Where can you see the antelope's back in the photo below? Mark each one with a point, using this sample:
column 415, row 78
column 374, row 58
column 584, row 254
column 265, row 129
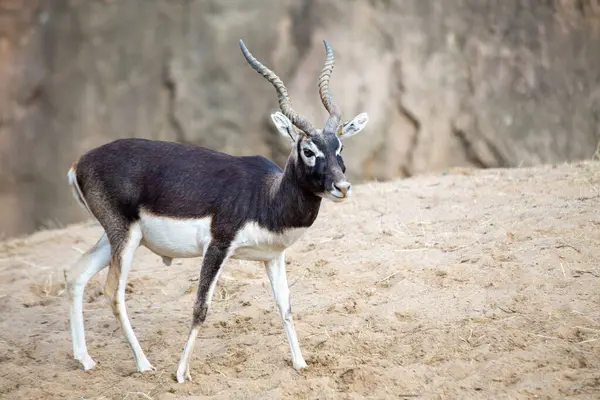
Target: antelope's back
column 167, row 178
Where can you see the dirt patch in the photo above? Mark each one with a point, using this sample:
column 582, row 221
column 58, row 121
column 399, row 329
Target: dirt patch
column 471, row 285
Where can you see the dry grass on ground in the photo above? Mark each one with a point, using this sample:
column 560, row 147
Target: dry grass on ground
column 476, row 284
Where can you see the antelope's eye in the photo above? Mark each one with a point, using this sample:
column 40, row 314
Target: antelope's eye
column 308, row 153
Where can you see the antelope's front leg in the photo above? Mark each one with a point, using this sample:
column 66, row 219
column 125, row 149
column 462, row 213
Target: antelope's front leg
column 214, row 258
column 281, row 293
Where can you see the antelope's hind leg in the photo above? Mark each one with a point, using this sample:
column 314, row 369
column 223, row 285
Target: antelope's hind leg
column 123, row 249
column 76, row 278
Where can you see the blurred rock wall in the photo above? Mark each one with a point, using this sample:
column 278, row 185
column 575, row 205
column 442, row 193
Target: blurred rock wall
column 483, row 83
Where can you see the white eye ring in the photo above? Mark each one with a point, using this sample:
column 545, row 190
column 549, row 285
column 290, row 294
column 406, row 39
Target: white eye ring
column 308, row 153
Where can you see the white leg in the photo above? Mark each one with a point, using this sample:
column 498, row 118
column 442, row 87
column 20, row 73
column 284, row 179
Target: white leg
column 118, row 302
column 183, row 369
column 92, row 262
column 281, row 292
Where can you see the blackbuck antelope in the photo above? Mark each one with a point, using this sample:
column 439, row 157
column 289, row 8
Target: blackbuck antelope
column 180, row 200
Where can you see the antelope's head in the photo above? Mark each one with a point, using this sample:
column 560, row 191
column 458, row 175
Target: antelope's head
column 316, row 153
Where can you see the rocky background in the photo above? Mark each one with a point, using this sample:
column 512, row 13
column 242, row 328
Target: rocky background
column 484, row 83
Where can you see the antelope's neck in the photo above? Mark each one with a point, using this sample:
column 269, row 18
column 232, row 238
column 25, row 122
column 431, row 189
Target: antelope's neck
column 293, row 206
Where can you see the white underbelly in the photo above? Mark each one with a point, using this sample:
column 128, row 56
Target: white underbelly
column 175, row 238
column 185, row 238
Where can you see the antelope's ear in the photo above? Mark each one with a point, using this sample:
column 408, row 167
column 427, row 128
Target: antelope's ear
column 353, row 127
column 284, row 126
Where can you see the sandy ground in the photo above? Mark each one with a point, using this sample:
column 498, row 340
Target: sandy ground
column 475, row 284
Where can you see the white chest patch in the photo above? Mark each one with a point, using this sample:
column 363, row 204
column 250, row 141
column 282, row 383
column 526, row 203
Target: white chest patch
column 185, row 238
column 259, row 244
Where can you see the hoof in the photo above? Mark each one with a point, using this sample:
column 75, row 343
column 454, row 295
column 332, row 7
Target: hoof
column 86, row 362
column 299, row 365
column 184, row 376
column 145, row 366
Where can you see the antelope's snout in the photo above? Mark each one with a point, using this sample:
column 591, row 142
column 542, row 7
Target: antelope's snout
column 340, row 191
column 344, row 187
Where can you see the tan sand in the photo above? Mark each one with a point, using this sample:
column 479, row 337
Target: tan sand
column 476, row 284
